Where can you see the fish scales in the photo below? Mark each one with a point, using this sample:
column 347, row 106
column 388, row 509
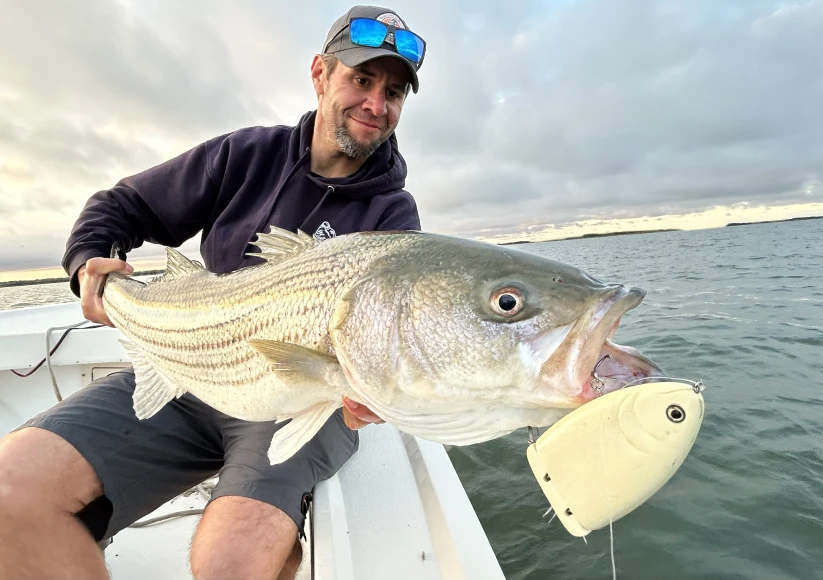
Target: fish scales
column 453, row 340
column 195, row 329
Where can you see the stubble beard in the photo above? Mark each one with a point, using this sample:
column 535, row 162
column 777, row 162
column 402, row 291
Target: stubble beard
column 350, row 147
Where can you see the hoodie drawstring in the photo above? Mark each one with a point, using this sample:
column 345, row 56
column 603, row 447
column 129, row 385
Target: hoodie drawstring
column 329, row 191
column 289, row 175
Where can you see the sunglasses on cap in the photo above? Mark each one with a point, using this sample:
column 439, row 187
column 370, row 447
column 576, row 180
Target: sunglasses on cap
column 373, row 33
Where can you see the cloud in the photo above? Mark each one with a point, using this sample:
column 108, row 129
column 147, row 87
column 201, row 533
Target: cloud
column 618, row 107
column 541, row 113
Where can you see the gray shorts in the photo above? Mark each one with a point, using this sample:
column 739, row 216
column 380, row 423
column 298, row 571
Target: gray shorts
column 143, row 464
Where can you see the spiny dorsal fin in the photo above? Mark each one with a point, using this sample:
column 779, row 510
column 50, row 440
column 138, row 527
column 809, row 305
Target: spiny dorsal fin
column 280, row 243
column 178, row 265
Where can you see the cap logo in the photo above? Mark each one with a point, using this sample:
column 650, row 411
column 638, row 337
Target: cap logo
column 392, row 20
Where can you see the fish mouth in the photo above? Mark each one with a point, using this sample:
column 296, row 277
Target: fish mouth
column 603, row 366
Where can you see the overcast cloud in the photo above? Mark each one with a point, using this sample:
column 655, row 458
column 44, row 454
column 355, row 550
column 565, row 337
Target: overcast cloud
column 529, row 113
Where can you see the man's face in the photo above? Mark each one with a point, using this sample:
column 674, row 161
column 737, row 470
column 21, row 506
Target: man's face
column 361, row 106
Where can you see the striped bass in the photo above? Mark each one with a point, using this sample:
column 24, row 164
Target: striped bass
column 452, row 340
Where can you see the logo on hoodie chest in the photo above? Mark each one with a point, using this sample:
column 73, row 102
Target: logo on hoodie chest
column 324, row 232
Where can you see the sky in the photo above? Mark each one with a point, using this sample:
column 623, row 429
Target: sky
column 535, row 119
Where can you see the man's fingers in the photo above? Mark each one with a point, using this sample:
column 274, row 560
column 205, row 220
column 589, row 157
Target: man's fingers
column 351, row 421
column 91, row 278
column 356, row 415
column 102, row 266
column 93, row 310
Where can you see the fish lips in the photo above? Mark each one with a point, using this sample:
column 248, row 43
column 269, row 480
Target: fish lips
column 581, row 362
column 603, row 366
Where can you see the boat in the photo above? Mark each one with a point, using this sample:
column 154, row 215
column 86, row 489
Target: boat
column 395, row 510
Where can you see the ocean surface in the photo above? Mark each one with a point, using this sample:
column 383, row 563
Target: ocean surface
column 740, row 308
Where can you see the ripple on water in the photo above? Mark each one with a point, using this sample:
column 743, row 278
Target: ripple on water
column 815, row 341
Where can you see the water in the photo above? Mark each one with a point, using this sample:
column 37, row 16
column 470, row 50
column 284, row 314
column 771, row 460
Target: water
column 740, row 308
column 35, row 295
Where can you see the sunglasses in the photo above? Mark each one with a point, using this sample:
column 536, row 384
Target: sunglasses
column 373, row 33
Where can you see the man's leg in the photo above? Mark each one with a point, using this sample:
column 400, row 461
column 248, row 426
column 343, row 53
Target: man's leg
column 90, row 444
column 292, row 565
column 250, row 528
column 44, row 481
column 240, row 537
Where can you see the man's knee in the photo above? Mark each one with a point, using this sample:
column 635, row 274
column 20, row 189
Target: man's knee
column 40, row 470
column 240, row 537
column 289, row 570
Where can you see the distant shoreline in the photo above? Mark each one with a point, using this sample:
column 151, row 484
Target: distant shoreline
column 584, row 236
column 797, row 219
column 629, row 233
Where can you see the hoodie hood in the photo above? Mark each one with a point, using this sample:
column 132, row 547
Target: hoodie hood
column 383, row 172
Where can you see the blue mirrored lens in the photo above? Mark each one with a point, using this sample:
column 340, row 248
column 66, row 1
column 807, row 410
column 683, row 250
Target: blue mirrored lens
column 367, row 32
column 409, row 45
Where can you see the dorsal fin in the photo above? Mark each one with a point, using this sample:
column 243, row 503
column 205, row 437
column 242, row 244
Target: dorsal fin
column 179, row 266
column 279, row 243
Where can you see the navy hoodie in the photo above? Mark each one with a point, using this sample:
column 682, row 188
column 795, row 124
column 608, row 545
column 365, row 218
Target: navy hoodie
column 236, row 185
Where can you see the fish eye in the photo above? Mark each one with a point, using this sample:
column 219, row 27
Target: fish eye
column 507, row 302
column 676, row 414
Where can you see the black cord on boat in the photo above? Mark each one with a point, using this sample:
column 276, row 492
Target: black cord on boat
column 158, row 519
column 53, row 350
column 204, row 489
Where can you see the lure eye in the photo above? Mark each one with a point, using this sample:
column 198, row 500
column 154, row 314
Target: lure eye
column 676, row 414
column 507, row 302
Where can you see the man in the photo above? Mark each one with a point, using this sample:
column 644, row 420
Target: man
column 88, row 468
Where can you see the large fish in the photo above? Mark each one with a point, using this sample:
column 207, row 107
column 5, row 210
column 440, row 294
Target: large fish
column 453, row 340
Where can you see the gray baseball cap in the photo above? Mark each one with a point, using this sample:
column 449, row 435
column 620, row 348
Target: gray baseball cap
column 340, row 45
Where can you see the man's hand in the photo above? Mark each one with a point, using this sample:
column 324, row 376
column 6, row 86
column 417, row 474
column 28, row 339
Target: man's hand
column 356, row 415
column 91, row 278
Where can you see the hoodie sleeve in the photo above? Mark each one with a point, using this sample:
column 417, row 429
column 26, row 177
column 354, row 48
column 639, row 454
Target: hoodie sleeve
column 401, row 215
column 166, row 204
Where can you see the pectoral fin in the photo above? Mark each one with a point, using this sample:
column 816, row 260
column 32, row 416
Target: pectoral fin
column 303, row 426
column 300, row 366
column 295, row 364
column 152, row 390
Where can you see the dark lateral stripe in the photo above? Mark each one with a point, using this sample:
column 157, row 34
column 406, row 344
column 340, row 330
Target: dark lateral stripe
column 249, row 330
column 179, row 368
column 293, row 281
column 243, row 359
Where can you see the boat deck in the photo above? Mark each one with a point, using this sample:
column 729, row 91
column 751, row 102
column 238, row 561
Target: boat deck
column 395, row 510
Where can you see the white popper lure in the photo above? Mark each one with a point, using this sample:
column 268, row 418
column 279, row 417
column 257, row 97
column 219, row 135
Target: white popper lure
column 607, row 457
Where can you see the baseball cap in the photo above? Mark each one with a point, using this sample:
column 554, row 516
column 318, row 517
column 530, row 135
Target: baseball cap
column 340, row 45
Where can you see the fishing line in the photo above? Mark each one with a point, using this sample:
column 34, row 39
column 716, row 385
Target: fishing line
column 608, row 498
